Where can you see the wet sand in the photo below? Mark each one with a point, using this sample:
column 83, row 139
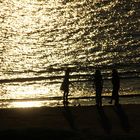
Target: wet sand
column 76, row 123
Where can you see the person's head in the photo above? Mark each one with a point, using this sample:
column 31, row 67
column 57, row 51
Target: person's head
column 114, row 72
column 97, row 72
column 67, row 71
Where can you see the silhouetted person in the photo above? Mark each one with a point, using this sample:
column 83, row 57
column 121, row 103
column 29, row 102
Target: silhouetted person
column 116, row 86
column 98, row 82
column 65, row 86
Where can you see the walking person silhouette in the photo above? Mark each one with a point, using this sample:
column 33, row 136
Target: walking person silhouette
column 65, row 86
column 98, row 82
column 116, row 87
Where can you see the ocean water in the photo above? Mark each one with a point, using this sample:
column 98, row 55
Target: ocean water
column 40, row 38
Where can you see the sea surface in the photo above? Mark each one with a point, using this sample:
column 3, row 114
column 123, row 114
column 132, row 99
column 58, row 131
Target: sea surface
column 39, row 39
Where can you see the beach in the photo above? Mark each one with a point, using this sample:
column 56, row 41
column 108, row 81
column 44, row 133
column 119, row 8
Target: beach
column 74, row 122
column 39, row 40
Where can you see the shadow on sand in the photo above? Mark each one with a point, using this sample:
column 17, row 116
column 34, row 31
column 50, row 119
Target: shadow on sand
column 69, row 116
column 38, row 134
column 104, row 120
column 123, row 117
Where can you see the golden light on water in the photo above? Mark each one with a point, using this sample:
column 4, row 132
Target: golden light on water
column 38, row 36
column 29, row 104
column 26, row 104
column 23, row 91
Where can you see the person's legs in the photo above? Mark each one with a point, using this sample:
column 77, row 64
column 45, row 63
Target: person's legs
column 66, row 96
column 100, row 97
column 100, row 101
column 117, row 100
column 97, row 97
column 96, row 100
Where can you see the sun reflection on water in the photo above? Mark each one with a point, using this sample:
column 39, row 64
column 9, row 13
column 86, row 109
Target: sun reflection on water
column 26, row 104
column 29, row 104
column 38, row 35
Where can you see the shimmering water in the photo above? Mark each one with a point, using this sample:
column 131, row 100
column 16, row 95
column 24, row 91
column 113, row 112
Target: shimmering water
column 39, row 39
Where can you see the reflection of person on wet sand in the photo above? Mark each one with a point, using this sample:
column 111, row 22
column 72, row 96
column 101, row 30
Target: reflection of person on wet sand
column 116, row 87
column 98, row 81
column 65, row 86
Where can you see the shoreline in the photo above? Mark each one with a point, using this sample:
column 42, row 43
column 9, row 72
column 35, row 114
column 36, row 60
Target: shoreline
column 71, row 122
column 61, row 97
column 55, row 102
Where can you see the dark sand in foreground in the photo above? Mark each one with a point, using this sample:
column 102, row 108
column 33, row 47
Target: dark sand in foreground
column 76, row 123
